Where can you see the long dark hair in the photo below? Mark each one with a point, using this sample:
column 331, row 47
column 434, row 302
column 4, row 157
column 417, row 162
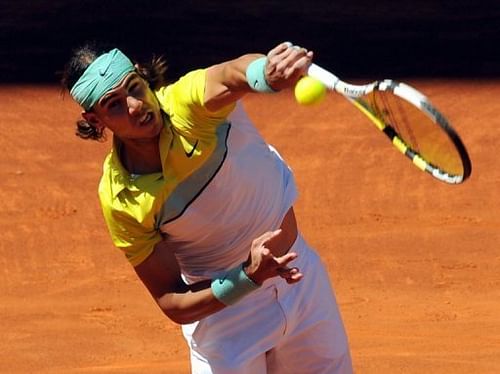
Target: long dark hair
column 153, row 72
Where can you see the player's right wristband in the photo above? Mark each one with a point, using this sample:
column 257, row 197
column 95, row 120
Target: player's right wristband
column 256, row 76
column 233, row 286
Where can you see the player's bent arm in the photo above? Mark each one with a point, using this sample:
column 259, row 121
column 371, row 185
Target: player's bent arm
column 181, row 303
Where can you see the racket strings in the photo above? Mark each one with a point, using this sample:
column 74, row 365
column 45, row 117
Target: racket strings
column 392, row 112
column 417, row 129
column 422, row 133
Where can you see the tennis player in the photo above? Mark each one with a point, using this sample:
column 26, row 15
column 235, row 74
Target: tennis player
column 202, row 208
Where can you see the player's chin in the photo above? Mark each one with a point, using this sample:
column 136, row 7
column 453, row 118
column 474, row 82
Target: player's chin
column 154, row 129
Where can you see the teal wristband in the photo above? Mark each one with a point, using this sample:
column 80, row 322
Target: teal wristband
column 233, row 286
column 256, row 77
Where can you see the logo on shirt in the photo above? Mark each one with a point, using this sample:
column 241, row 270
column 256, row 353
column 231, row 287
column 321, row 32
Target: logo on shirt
column 190, row 153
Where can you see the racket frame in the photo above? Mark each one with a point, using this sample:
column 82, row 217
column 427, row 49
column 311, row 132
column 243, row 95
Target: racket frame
column 354, row 94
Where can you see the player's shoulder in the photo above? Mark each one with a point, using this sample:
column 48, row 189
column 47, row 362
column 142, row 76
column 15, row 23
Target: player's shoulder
column 187, row 90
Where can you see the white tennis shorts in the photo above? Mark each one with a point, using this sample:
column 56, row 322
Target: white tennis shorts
column 280, row 328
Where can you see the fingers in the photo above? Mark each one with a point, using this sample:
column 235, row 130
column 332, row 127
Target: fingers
column 280, row 264
column 280, row 48
column 287, row 58
column 285, row 259
column 291, row 275
column 262, row 264
column 286, row 63
column 267, row 236
column 294, row 64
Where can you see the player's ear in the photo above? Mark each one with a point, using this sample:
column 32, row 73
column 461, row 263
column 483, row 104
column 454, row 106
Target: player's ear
column 93, row 119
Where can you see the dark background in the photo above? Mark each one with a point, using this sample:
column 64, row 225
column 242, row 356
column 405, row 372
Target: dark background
column 372, row 39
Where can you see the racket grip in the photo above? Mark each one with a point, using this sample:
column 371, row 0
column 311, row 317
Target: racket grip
column 324, row 76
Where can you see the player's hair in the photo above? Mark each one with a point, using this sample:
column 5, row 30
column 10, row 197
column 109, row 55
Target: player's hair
column 153, row 72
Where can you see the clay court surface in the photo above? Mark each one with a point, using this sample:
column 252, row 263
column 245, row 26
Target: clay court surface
column 415, row 262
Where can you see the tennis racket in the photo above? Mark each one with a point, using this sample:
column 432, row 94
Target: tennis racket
column 414, row 126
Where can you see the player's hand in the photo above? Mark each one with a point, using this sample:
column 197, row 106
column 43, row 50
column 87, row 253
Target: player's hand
column 286, row 63
column 262, row 264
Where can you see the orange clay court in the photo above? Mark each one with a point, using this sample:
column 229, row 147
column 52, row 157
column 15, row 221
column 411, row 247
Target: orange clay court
column 415, row 262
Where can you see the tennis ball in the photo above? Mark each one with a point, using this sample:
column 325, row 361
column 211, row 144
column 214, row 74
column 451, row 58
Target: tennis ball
column 309, row 91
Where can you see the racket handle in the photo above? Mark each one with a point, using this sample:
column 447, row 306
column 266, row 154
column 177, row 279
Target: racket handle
column 324, row 76
column 332, row 82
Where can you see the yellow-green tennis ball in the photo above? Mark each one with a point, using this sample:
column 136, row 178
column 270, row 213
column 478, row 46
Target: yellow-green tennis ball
column 309, row 91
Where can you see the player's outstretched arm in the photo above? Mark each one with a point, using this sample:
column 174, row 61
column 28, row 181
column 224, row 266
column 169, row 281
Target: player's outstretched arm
column 227, row 82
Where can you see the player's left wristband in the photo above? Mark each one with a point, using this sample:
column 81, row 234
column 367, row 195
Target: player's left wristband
column 233, row 286
column 256, row 76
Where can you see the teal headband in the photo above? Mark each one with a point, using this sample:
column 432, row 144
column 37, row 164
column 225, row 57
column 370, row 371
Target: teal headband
column 101, row 76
